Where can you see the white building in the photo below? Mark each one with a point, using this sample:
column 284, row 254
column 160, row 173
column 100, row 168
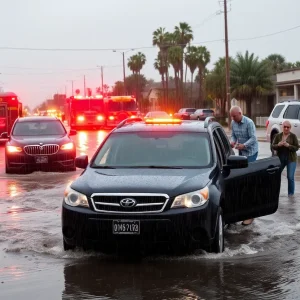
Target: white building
column 288, row 85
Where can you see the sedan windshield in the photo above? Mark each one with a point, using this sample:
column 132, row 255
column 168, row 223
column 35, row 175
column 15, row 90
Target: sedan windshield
column 38, row 128
column 155, row 150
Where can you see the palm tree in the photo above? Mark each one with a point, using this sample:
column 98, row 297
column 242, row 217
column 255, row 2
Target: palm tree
column 277, row 62
column 203, row 60
column 250, row 78
column 161, row 38
column 162, row 68
column 175, row 58
column 191, row 60
column 183, row 35
column 135, row 64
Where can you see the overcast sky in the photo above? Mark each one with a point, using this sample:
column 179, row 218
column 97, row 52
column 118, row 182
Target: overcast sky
column 125, row 24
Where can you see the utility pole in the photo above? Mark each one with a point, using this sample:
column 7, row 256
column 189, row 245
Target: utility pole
column 227, row 64
column 125, row 90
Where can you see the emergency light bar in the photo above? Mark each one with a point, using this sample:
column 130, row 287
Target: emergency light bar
column 163, row 121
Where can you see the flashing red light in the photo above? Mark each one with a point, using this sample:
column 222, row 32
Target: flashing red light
column 163, row 121
column 100, row 118
column 80, row 118
column 111, row 118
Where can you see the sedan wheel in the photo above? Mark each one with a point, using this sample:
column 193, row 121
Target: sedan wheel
column 68, row 247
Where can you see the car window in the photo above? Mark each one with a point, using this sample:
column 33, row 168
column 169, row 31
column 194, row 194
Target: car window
column 218, row 144
column 38, row 128
column 292, row 112
column 198, row 111
column 225, row 141
column 208, row 111
column 277, row 110
column 190, row 110
column 192, row 150
column 221, row 161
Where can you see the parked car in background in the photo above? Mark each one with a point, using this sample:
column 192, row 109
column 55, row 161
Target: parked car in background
column 39, row 143
column 157, row 114
column 284, row 111
column 202, row 114
column 184, row 113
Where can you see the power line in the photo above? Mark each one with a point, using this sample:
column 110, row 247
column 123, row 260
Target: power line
column 145, row 47
column 265, row 35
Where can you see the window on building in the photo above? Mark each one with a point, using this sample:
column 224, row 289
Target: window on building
column 286, row 91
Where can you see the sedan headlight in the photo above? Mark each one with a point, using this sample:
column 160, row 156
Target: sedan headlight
column 13, row 149
column 74, row 198
column 193, row 199
column 68, row 146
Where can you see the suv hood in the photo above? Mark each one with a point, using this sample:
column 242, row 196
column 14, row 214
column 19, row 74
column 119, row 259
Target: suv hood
column 169, row 181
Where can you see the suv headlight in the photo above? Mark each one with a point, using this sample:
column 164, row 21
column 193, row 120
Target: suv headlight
column 74, row 198
column 193, row 199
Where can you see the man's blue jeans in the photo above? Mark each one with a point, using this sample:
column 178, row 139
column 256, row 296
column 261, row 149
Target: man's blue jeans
column 251, row 158
column 290, row 168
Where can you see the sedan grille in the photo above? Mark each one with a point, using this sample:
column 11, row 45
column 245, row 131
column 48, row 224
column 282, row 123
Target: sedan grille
column 48, row 149
column 139, row 203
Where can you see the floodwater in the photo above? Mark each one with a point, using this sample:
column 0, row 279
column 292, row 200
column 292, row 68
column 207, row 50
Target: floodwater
column 261, row 261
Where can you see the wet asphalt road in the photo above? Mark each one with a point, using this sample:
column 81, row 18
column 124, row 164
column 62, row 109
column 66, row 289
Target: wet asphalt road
column 261, row 261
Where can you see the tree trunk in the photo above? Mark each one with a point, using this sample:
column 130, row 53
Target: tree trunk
column 163, row 104
column 248, row 107
column 191, row 101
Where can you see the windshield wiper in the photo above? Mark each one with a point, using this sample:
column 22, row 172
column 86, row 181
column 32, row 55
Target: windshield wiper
column 156, row 167
column 103, row 167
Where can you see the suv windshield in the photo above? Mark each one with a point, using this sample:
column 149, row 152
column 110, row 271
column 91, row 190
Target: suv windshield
column 155, row 149
column 39, row 128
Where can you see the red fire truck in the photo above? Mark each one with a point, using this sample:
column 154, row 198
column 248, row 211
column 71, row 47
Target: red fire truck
column 119, row 108
column 10, row 110
column 85, row 112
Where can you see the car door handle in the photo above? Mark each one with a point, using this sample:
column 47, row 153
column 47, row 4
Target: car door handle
column 273, row 170
column 295, row 125
column 280, row 123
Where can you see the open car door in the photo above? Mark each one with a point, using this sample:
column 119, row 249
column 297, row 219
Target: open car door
column 253, row 191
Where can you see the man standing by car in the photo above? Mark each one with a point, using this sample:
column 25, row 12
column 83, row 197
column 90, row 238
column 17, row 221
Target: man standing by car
column 243, row 138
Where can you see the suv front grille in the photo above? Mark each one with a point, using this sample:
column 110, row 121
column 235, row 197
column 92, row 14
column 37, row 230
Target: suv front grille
column 145, row 203
column 49, row 149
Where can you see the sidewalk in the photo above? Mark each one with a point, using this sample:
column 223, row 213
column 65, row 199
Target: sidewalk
column 260, row 133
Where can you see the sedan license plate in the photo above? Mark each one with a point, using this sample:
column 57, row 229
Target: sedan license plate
column 41, row 159
column 126, row 227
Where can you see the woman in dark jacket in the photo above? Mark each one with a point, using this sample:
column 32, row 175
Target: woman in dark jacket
column 286, row 144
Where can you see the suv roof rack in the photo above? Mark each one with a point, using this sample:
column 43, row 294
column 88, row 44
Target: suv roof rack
column 291, row 100
column 209, row 120
column 128, row 121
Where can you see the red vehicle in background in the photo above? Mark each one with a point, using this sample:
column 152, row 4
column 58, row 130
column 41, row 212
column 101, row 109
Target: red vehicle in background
column 10, row 110
column 85, row 112
column 119, row 108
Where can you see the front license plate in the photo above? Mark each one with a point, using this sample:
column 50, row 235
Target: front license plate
column 126, row 227
column 41, row 159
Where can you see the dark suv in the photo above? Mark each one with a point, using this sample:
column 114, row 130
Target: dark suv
column 39, row 143
column 171, row 182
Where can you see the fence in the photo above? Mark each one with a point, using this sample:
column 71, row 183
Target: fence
column 261, row 121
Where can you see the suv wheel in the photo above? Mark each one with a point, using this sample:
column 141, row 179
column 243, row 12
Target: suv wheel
column 217, row 245
column 68, row 247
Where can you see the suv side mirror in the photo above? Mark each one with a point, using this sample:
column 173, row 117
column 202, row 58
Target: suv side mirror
column 4, row 135
column 82, row 161
column 237, row 162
